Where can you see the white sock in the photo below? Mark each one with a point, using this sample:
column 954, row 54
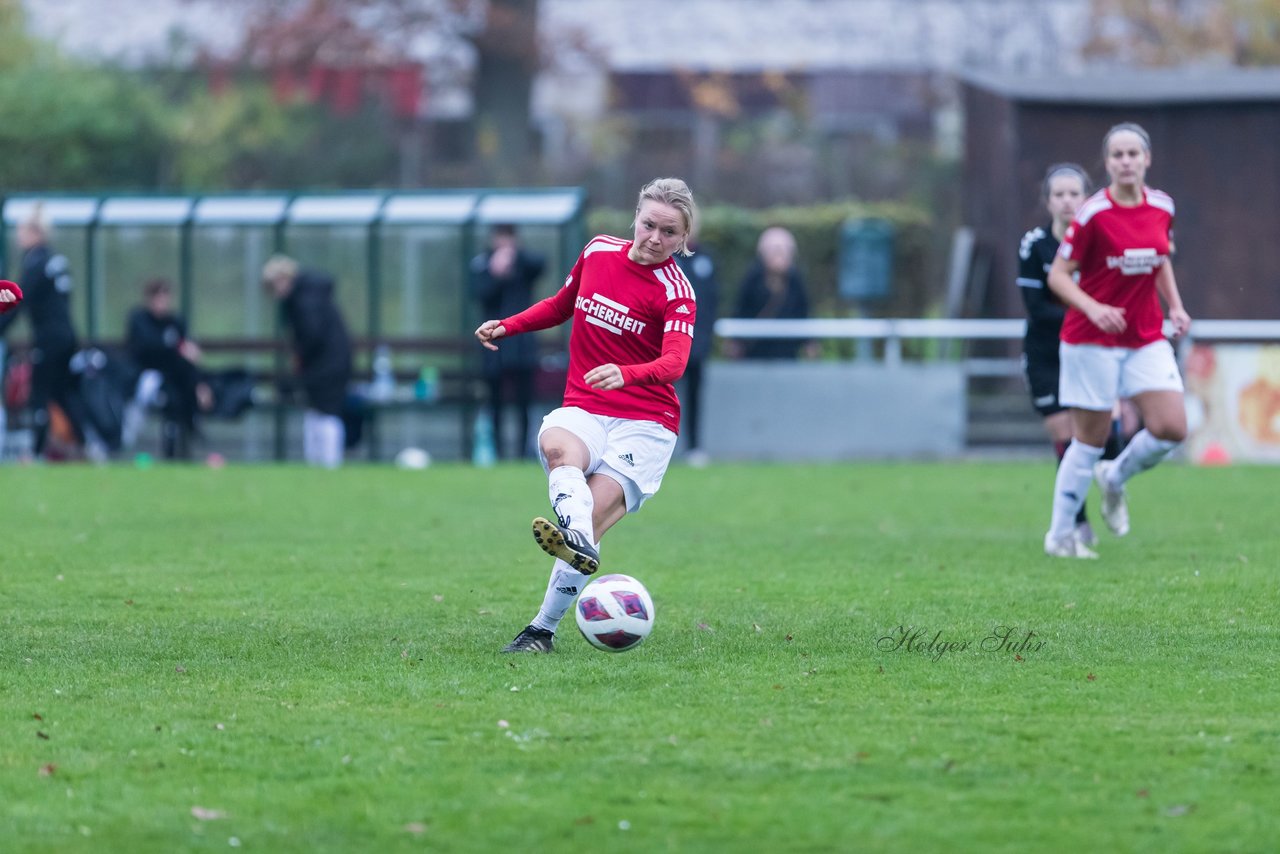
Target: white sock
column 322, row 439
column 1143, row 451
column 1071, row 486
column 571, row 499
column 565, row 585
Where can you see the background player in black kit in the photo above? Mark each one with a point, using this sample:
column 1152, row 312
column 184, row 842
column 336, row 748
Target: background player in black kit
column 1065, row 186
column 46, row 287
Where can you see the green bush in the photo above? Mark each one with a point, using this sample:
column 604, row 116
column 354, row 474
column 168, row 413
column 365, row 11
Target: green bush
column 729, row 235
column 64, row 127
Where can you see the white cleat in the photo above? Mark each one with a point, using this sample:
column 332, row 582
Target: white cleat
column 1115, row 505
column 1068, row 546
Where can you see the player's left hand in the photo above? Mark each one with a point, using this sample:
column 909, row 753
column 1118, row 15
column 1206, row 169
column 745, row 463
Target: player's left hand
column 10, row 296
column 1181, row 322
column 605, row 377
column 489, row 331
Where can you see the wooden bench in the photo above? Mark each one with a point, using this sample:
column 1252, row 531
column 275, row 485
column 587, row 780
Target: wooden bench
column 457, row 386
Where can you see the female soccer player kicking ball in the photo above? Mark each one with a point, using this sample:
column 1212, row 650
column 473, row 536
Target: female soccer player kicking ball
column 607, row 448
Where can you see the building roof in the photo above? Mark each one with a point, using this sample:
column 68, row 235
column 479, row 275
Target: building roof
column 1130, row 87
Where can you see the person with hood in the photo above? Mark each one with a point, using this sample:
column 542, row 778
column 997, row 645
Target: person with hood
column 322, row 353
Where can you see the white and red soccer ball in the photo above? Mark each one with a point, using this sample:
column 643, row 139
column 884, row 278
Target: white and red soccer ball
column 614, row 613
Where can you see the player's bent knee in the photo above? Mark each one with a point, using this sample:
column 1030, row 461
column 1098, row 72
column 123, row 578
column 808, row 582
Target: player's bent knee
column 555, row 455
column 558, row 454
column 1169, row 432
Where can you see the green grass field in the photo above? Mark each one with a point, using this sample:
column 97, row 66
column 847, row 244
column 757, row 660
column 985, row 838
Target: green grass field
column 279, row 659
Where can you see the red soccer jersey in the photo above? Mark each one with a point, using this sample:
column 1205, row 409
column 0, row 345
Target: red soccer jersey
column 636, row 316
column 1119, row 250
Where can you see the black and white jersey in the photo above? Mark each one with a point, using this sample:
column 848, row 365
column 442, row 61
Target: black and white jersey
column 1044, row 310
column 46, row 290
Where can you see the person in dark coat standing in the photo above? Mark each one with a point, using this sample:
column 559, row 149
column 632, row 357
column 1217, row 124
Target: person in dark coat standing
column 700, row 269
column 322, row 353
column 773, row 289
column 502, row 281
column 156, row 338
column 46, row 286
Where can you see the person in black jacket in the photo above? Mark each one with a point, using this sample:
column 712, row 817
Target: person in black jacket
column 502, row 281
column 46, row 285
column 1064, row 189
column 156, row 338
column 773, row 289
column 700, row 269
column 322, row 353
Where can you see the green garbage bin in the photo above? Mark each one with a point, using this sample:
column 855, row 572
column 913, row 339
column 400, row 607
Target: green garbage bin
column 866, row 260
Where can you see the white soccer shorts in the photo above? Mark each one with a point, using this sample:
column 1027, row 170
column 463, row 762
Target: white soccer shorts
column 1095, row 377
column 634, row 453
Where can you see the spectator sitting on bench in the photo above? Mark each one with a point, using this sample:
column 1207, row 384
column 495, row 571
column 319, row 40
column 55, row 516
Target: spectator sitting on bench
column 157, row 342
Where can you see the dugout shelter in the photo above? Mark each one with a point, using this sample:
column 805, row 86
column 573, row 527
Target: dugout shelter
column 400, row 260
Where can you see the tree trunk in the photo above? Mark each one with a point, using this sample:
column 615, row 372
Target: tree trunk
column 506, row 63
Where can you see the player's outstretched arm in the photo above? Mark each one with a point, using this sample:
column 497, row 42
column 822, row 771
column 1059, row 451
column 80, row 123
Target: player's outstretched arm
column 10, row 296
column 489, row 331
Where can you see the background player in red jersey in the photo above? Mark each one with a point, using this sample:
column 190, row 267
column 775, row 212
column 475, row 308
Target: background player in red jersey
column 1112, row 338
column 607, row 448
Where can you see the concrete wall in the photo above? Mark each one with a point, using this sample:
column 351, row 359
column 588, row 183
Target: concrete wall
column 832, row 411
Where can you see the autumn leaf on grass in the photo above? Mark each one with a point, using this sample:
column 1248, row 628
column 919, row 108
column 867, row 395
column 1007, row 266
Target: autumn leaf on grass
column 204, row 814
